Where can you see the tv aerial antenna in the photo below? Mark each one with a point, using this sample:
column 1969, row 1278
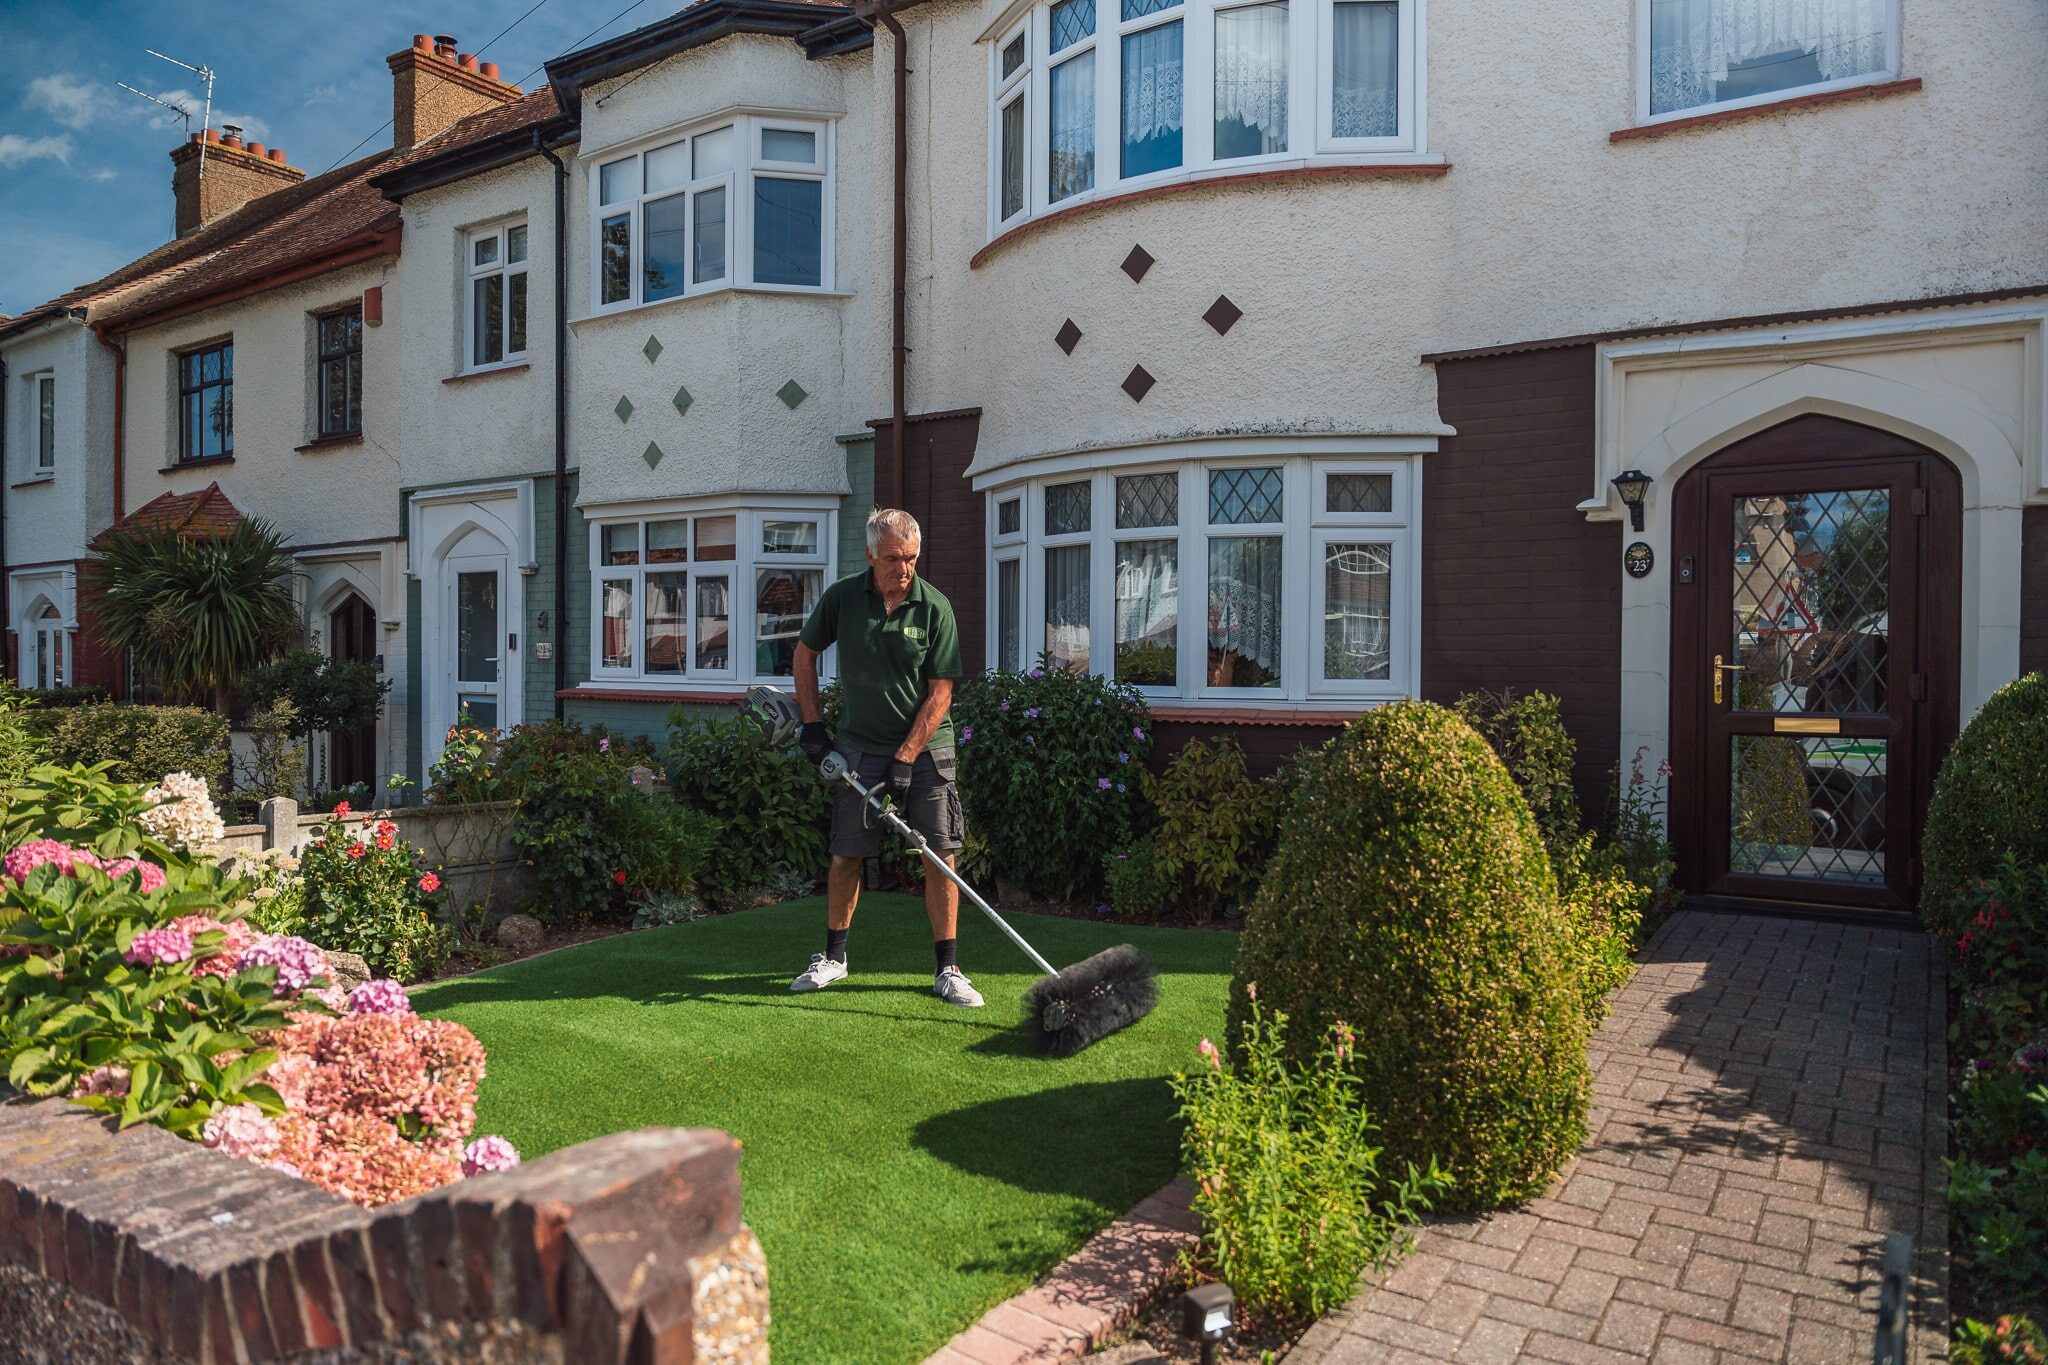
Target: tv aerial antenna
column 205, row 74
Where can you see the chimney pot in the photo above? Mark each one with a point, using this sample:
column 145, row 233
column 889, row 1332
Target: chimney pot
column 466, row 62
column 422, row 42
column 257, row 149
column 212, row 135
column 444, row 45
column 231, row 135
column 277, row 155
column 192, row 137
column 490, row 70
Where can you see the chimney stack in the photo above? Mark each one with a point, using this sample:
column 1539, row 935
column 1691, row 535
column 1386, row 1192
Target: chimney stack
column 234, row 176
column 433, row 85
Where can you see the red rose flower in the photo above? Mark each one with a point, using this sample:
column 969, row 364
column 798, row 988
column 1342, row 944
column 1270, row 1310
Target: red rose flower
column 620, row 876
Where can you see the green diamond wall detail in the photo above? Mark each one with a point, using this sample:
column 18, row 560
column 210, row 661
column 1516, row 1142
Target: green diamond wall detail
column 652, row 454
column 624, row 407
column 682, row 400
column 791, row 393
column 652, row 350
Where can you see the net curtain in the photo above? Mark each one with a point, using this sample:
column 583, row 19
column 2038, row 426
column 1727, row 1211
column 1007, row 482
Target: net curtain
column 1694, row 42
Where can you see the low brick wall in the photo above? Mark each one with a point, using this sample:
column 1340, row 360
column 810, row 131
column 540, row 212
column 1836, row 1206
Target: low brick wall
column 139, row 1245
column 471, row 844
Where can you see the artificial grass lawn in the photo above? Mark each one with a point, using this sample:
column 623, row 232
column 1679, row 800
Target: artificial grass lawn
column 908, row 1164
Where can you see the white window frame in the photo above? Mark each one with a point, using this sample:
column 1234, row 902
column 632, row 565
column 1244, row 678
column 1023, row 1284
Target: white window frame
column 1890, row 72
column 43, row 463
column 743, row 572
column 1304, row 528
column 49, row 638
column 501, row 265
column 1311, row 26
column 1006, row 547
column 749, row 165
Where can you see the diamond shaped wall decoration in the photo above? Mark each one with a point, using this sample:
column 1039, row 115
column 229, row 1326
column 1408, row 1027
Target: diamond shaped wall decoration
column 1138, row 383
column 1222, row 314
column 652, row 350
column 1137, row 263
column 652, row 454
column 791, row 393
column 682, row 400
column 624, row 407
column 1069, row 336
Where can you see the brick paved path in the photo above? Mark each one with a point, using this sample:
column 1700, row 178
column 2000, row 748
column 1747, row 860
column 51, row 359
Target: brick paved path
column 1768, row 1104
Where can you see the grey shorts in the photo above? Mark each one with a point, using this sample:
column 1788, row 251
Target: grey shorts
column 933, row 808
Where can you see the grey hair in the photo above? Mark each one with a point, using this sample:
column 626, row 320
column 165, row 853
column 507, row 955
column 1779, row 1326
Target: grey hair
column 890, row 523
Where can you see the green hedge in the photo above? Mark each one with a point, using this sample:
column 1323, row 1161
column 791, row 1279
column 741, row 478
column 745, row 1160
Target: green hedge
column 144, row 742
column 1990, row 800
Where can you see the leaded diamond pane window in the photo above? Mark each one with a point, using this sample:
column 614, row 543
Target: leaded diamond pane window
column 1072, row 20
column 1359, row 493
column 1807, row 807
column 1009, row 516
column 1811, row 601
column 1066, row 508
column 1244, row 497
column 1147, row 500
column 1138, row 9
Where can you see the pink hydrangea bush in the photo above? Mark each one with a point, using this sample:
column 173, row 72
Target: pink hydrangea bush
column 382, row 996
column 298, row 962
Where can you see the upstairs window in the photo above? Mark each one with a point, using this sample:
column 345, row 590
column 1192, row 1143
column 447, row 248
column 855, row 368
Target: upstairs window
column 206, row 402
column 46, row 423
column 746, row 202
column 340, row 373
column 1091, row 96
column 1704, row 54
column 496, row 303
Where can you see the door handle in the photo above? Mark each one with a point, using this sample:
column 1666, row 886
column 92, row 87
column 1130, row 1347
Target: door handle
column 1720, row 669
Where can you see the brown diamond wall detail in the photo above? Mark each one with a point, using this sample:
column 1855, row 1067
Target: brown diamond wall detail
column 1137, row 263
column 1222, row 314
column 1069, row 336
column 1138, row 383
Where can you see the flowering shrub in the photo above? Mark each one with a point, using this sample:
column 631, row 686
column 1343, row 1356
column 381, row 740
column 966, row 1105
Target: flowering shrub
column 2012, row 1338
column 725, row 767
column 367, row 892
column 276, row 901
column 1639, row 825
column 1293, row 1204
column 1049, row 764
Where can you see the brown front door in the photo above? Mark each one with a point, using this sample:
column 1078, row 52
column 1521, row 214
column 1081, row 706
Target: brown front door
column 1816, row 587
column 351, row 634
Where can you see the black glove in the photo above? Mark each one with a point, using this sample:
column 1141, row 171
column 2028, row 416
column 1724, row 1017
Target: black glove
column 899, row 780
column 813, row 740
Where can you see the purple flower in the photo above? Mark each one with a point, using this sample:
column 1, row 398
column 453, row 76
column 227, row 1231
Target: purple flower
column 604, row 746
column 1102, row 784
column 1036, row 673
column 1120, row 787
column 154, row 947
column 1006, row 708
column 296, row 960
column 1136, row 733
column 966, row 733
column 1031, row 739
column 1031, row 713
column 379, row 997
column 491, row 1153
column 1123, row 758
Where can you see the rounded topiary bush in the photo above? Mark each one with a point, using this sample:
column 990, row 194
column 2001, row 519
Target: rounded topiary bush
column 1990, row 798
column 1411, row 898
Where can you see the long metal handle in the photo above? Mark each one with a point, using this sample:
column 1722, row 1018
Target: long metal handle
column 902, row 827
column 1720, row 669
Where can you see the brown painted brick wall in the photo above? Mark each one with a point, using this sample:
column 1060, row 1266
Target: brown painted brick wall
column 936, row 491
column 1518, row 589
column 2034, row 590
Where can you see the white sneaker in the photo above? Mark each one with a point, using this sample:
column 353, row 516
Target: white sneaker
column 955, row 989
column 822, row 972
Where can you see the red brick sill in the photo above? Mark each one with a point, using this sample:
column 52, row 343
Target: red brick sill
column 1403, row 170
column 1680, row 125
column 1247, row 715
column 649, row 695
column 353, row 438
column 487, row 374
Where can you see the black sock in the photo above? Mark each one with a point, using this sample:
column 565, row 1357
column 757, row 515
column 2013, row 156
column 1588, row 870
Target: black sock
column 835, row 945
column 947, row 950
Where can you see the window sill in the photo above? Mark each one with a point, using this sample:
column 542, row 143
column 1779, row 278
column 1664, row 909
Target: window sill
column 1379, row 170
column 319, row 443
column 203, row 462
column 468, row 375
column 1750, row 111
column 34, row 481
column 664, row 696
column 1283, row 714
column 724, row 292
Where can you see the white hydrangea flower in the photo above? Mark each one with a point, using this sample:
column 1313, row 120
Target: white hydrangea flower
column 186, row 817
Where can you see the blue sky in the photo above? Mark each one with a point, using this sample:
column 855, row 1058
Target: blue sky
column 85, row 179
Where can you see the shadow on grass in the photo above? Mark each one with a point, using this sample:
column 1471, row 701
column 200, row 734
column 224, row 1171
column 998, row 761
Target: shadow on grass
column 1054, row 1141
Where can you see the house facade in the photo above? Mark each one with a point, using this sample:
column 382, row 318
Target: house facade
column 1280, row 359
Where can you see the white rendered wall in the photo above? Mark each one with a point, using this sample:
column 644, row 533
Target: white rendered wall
column 50, row 519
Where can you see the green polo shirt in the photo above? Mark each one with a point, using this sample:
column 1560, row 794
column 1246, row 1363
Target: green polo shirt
column 885, row 658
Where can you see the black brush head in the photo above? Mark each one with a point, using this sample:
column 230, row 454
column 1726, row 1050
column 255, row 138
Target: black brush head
column 1090, row 1000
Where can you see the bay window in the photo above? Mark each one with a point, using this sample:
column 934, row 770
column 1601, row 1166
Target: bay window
column 746, row 201
column 1284, row 580
column 1183, row 87
column 1701, row 54
column 704, row 595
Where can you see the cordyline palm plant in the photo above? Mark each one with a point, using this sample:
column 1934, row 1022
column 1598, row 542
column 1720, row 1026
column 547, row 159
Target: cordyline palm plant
column 197, row 612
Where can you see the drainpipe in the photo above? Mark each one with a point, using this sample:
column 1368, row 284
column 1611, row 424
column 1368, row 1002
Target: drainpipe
column 561, row 422
column 899, row 259
column 120, row 460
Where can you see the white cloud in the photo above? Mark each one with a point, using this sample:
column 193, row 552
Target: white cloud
column 71, row 100
column 16, row 150
column 103, row 175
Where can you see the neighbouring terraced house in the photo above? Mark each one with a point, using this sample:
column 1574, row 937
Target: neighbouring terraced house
column 1684, row 359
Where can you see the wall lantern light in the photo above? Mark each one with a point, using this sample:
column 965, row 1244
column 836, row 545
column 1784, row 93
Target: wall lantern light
column 1205, row 1316
column 1634, row 486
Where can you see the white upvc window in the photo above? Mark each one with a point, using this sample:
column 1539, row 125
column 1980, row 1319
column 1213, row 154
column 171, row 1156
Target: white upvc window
column 494, row 305
column 704, row 594
column 1694, row 56
column 746, row 201
column 44, row 386
column 1186, row 580
column 1087, row 97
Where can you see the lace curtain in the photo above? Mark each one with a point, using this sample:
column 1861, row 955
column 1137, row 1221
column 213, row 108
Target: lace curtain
column 1066, row 607
column 1152, row 93
column 1365, row 65
column 1693, row 43
column 1251, row 80
column 1245, row 609
column 1072, row 123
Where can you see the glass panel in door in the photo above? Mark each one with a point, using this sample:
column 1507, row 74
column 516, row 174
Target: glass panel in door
column 478, row 637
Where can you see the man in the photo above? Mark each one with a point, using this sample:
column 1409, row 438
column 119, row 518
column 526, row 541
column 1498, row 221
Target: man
column 899, row 652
